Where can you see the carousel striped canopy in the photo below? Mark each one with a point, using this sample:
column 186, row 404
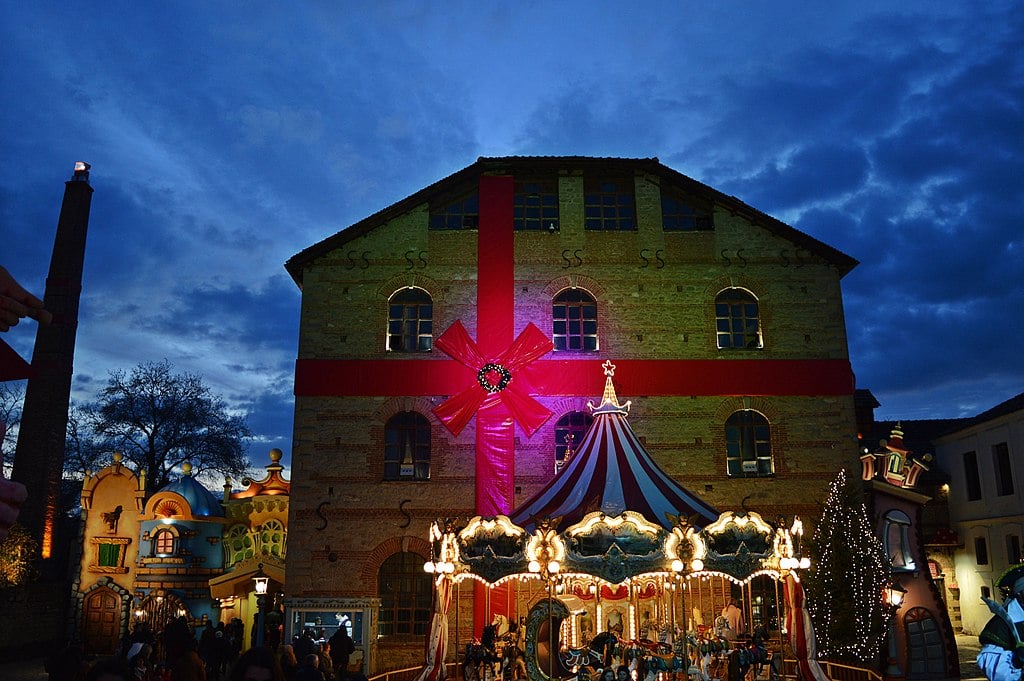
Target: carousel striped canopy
column 612, row 472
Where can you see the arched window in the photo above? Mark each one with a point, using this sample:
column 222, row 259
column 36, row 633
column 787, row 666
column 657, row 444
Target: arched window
column 272, row 538
column 748, row 445
column 737, row 320
column 897, row 540
column 574, row 423
column 407, row 447
column 574, row 317
column 410, row 321
column 405, row 591
column 239, row 544
column 165, row 543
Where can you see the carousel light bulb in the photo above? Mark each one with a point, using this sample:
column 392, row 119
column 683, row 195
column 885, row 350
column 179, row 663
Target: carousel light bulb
column 428, row 567
column 697, row 565
column 554, row 567
column 677, row 565
column 805, row 563
column 534, row 566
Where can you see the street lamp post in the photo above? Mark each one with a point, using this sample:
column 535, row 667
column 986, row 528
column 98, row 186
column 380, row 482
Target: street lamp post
column 261, row 581
column 894, row 594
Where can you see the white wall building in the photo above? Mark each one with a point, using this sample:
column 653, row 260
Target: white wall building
column 985, row 461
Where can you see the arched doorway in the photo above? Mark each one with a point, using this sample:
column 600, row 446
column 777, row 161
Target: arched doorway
column 101, row 614
column 926, row 655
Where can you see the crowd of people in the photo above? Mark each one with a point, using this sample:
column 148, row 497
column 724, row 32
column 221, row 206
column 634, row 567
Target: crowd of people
column 215, row 654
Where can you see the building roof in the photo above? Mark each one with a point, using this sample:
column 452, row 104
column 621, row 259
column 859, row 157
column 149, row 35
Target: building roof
column 612, row 472
column 526, row 164
column 200, row 500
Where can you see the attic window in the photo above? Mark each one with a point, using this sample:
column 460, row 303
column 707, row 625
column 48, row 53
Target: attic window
column 608, row 204
column 535, row 205
column 463, row 213
column 679, row 214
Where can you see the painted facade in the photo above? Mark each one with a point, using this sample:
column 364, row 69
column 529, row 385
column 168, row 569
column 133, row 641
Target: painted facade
column 183, row 551
column 922, row 644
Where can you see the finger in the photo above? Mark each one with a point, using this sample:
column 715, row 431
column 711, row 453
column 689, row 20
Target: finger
column 11, row 305
column 42, row 316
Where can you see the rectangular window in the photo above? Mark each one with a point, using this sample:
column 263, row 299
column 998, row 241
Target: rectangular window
column 1013, row 549
column 535, row 206
column 109, row 555
column 1004, row 474
column 609, row 205
column 461, row 214
column 678, row 214
column 980, row 551
column 971, row 477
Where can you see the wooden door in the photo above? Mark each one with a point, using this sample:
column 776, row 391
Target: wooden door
column 102, row 625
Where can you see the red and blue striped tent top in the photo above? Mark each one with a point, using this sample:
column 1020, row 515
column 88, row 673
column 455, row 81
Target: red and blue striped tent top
column 612, row 472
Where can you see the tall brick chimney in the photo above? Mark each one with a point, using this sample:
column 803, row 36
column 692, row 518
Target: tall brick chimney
column 39, row 456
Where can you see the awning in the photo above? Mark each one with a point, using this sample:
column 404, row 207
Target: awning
column 239, row 581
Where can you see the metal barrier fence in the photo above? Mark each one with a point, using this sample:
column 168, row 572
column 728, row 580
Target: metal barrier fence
column 834, row 670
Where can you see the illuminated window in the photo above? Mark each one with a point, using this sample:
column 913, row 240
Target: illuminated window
column 410, row 321
column 574, row 321
column 405, row 591
column 574, row 423
column 407, row 447
column 737, row 320
column 679, row 215
column 239, row 545
column 164, row 543
column 609, row 205
column 1004, row 474
column 461, row 214
column 972, row 479
column 535, row 205
column 897, row 540
column 272, row 539
column 748, row 445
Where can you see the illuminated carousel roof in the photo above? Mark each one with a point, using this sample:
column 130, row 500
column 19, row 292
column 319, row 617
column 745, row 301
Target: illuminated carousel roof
column 612, row 472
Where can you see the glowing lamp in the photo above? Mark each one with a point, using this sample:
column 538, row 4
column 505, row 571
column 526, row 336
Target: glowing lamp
column 534, row 566
column 428, row 567
column 677, row 565
column 697, row 565
column 261, row 581
column 554, row 567
column 805, row 563
column 894, row 594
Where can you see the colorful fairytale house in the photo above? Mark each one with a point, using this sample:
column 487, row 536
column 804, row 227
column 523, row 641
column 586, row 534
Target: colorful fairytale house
column 182, row 552
column 921, row 643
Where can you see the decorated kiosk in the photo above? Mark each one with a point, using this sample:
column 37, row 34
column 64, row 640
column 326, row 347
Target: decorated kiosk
column 615, row 563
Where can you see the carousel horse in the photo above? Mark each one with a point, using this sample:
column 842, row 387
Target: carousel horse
column 481, row 655
column 752, row 657
column 513, row 659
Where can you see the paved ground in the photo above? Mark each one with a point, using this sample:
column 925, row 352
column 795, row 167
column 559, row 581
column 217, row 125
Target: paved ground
column 32, row 670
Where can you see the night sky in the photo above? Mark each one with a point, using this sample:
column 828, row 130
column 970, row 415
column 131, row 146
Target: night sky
column 226, row 137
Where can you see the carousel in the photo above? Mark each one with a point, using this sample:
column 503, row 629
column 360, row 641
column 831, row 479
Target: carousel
column 616, row 566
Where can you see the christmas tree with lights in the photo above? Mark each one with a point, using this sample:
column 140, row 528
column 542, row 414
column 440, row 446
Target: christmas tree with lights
column 845, row 588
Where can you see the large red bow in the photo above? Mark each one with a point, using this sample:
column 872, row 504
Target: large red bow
column 497, row 379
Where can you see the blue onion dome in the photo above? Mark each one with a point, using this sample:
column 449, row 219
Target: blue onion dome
column 201, row 500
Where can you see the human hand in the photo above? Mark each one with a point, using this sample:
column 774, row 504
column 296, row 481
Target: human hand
column 12, row 496
column 17, row 303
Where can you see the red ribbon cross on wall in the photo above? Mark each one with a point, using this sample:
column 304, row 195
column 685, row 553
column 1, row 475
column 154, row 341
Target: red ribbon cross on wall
column 495, row 377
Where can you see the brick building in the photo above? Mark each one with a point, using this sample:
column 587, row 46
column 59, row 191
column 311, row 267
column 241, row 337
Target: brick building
column 424, row 390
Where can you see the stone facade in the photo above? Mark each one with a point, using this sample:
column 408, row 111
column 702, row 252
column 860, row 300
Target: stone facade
column 655, row 294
